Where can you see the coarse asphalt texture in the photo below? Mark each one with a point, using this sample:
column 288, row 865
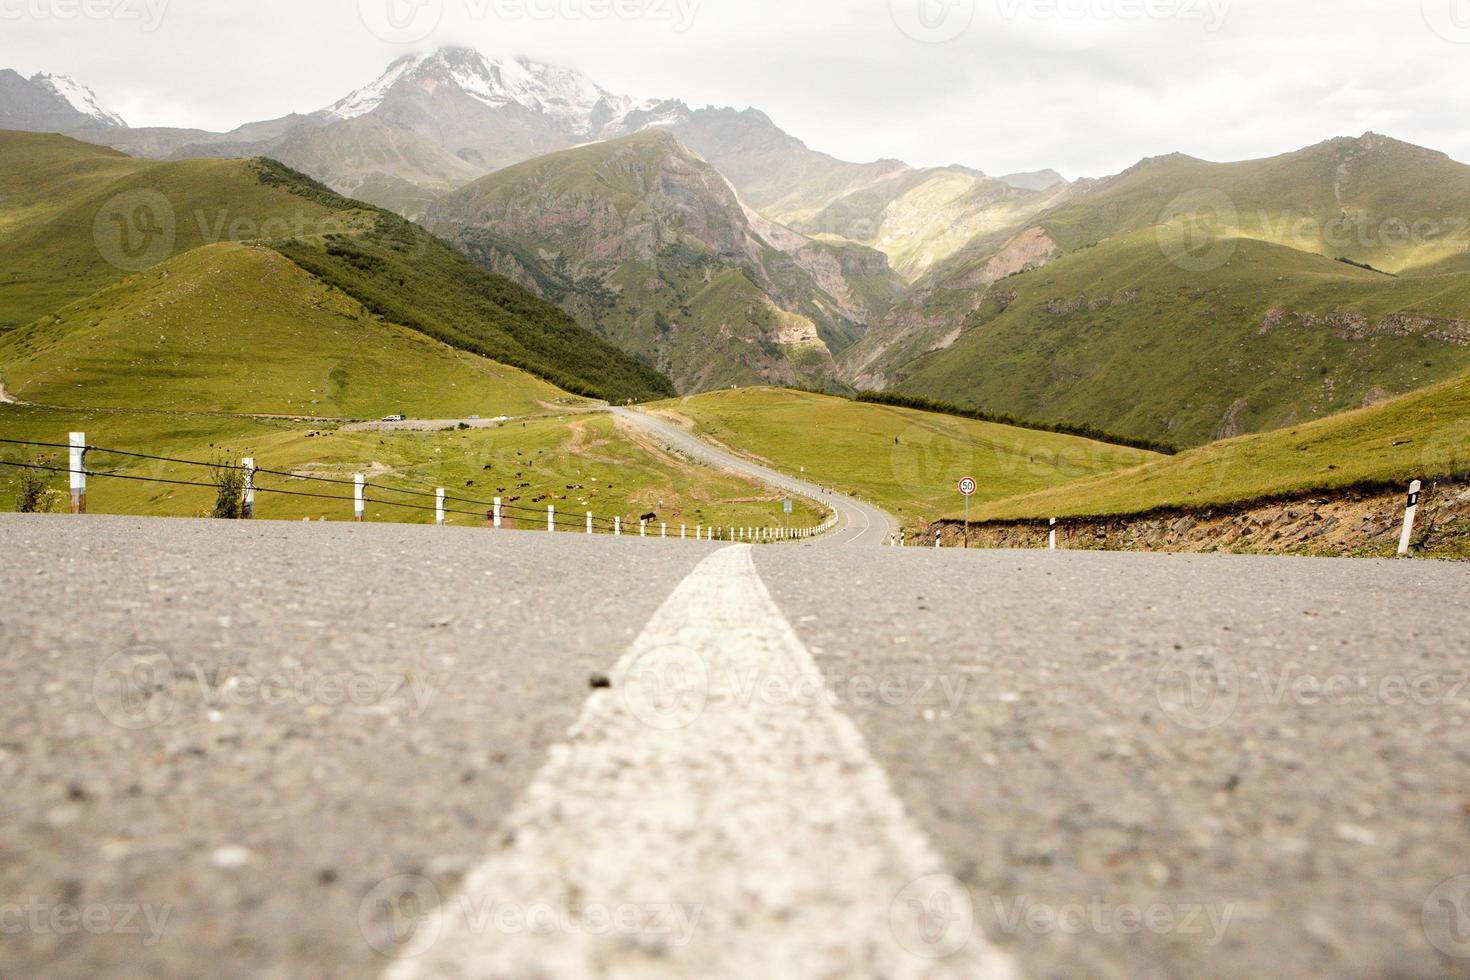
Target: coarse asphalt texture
column 221, row 740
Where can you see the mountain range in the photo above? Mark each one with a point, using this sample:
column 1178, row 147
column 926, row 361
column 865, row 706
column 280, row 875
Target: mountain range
column 1179, row 301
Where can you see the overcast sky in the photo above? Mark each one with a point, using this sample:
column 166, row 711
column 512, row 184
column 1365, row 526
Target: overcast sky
column 1085, row 86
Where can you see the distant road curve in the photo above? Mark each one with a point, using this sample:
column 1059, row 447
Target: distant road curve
column 858, row 524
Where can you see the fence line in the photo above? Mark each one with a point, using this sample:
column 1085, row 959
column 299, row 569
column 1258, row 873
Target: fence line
column 495, row 511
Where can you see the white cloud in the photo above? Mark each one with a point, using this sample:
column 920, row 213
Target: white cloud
column 1086, row 86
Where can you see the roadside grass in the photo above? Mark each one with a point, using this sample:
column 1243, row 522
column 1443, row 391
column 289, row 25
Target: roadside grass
column 241, row 329
column 1421, row 435
column 576, row 463
column 908, row 462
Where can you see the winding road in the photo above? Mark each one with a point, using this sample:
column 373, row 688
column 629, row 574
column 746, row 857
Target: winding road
column 858, row 523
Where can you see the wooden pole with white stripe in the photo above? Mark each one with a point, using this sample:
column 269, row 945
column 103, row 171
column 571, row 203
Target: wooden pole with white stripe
column 1051, row 543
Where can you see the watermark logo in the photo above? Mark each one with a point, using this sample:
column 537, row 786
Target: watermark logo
column 148, row 14
column 1197, row 230
column 398, row 917
column 1212, row 14
column 1100, row 917
column 1199, row 689
column 135, row 230
column 142, row 688
column 403, row 917
column 1447, row 917
column 40, row 917
column 933, row 918
column 666, row 688
column 1450, row 19
column 933, row 21
column 401, row 21
column 134, row 688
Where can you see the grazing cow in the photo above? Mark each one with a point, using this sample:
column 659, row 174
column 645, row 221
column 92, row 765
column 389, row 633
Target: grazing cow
column 648, row 518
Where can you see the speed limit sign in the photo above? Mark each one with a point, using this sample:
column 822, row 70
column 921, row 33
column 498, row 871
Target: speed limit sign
column 967, row 487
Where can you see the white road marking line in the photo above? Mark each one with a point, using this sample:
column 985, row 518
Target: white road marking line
column 716, row 799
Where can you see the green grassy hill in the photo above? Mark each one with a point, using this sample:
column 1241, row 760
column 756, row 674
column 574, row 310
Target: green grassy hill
column 1398, row 207
column 238, row 328
column 1118, row 337
column 76, row 218
column 908, row 462
column 648, row 246
column 1185, row 300
column 1422, row 435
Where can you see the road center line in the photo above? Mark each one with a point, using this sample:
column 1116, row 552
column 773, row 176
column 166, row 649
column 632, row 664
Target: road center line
column 711, row 814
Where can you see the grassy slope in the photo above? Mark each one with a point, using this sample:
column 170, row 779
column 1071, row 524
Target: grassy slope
column 578, row 463
column 1421, row 435
column 236, row 328
column 1399, row 207
column 58, row 229
column 61, row 203
column 909, row 462
column 618, row 233
column 1174, row 350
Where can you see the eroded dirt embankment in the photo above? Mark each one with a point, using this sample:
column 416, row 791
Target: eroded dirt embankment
column 1348, row 523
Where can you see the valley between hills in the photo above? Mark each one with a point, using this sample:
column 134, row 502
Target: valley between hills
column 478, row 237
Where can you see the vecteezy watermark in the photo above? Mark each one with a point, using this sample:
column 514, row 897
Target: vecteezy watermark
column 138, row 229
column 669, row 687
column 148, row 14
column 1197, row 230
column 403, row 917
column 933, row 918
column 1447, row 917
column 97, row 919
column 411, row 21
column 1101, row 917
column 142, row 688
column 933, row 21
column 1450, row 19
column 1203, row 689
column 1210, row 13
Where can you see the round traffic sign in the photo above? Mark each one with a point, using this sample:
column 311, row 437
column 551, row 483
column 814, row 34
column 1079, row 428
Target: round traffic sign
column 967, row 487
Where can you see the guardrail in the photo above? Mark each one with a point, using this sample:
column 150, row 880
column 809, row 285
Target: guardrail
column 495, row 512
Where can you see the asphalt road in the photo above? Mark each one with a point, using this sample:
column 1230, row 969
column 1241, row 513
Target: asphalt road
column 858, row 523
column 307, row 750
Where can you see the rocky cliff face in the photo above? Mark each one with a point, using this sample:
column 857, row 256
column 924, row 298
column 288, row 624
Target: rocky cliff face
column 650, row 246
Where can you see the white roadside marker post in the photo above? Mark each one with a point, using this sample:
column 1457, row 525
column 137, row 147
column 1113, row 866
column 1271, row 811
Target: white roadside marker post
column 589, row 522
column 1415, row 489
column 439, row 506
column 642, row 528
column 551, row 518
column 78, row 473
column 664, row 531
column 247, row 490
column 938, row 541
column 683, row 533
column 359, row 484
column 496, row 517
column 617, row 527
column 1051, row 544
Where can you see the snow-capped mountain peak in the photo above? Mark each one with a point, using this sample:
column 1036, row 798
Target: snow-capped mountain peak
column 567, row 97
column 79, row 97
